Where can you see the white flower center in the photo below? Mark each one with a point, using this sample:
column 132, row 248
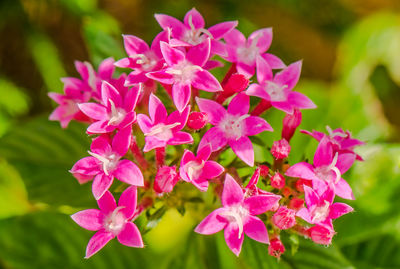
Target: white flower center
column 116, row 221
column 236, row 214
column 147, row 62
column 248, row 54
column 193, row 169
column 183, row 72
column 325, row 172
column 109, row 161
column 195, row 36
column 117, row 114
column 162, row 131
column 275, row 91
column 233, row 126
column 320, row 213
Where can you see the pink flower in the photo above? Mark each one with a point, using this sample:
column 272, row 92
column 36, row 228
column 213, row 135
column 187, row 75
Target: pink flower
column 321, row 234
column 165, row 179
column 160, row 129
column 197, row 170
column 276, row 248
column 105, row 164
column 232, row 126
column 186, row 71
column 280, row 149
column 327, row 167
column 321, row 209
column 245, row 53
column 192, row 32
column 111, row 221
column 277, row 89
column 116, row 112
column 237, row 216
column 284, row 218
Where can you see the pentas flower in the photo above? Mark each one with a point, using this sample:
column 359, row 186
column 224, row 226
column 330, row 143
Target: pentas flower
column 232, row 126
column 278, row 88
column 160, row 129
column 321, row 209
column 111, row 221
column 290, row 123
column 237, row 216
column 165, row 179
column 341, row 141
column 80, row 90
column 284, row 218
column 116, row 112
column 104, row 164
column 192, row 31
column 321, row 234
column 197, row 169
column 184, row 71
column 327, row 168
column 245, row 53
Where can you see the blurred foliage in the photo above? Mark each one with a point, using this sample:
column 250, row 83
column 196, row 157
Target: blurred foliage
column 361, row 93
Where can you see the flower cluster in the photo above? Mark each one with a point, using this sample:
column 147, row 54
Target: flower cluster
column 133, row 119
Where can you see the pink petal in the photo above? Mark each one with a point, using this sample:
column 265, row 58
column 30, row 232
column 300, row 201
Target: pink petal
column 205, row 81
column 193, row 17
column 215, row 137
column 134, row 45
column 128, row 201
column 199, row 54
column 161, row 76
column 145, row 123
column 284, row 106
column 245, row 69
column 130, row 236
column 299, row 100
column 157, row 111
column 258, row 91
column 107, row 203
column 155, row 45
column 94, row 110
column 106, row 68
column 122, row 141
column 259, row 204
column 255, row 125
column 310, row 196
column 181, row 95
column 232, row 193
column 235, row 38
column 101, row 145
column 101, row 184
column 88, row 166
column 264, row 70
column 218, row 48
column 180, row 138
column 339, row 209
column 239, row 105
column 100, row 127
column 343, row 189
column 263, row 37
column 301, row 170
column 152, row 143
column 89, row 219
column 211, row 224
column 211, row 64
column 273, row 61
column 97, row 242
column 219, row 30
column 109, row 92
column 129, row 173
column 289, row 76
column 131, row 98
column 256, row 230
column 345, row 161
column 243, row 148
column 232, row 238
column 324, row 153
column 204, row 152
column 215, row 111
column 211, row 170
column 171, row 56
column 180, row 117
column 304, row 214
column 176, row 26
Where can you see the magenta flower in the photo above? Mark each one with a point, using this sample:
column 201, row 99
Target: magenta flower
column 232, row 126
column 327, row 167
column 192, row 32
column 116, row 112
column 276, row 248
column 321, row 209
column 104, row 164
column 237, row 216
column 197, row 169
column 321, row 235
column 245, row 53
column 284, row 218
column 184, row 71
column 290, row 123
column 111, row 221
column 278, row 89
column 166, row 179
column 160, row 129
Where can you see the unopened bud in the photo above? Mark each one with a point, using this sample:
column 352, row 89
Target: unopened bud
column 280, row 149
column 284, row 218
column 278, row 181
column 321, row 235
column 300, row 184
column 264, row 170
column 165, row 180
column 296, row 203
column 276, row 248
column 197, row 120
column 290, row 123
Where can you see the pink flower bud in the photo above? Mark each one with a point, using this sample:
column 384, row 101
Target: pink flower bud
column 264, row 170
column 278, row 181
column 296, row 203
column 276, row 248
column 321, row 235
column 236, row 83
column 300, row 184
column 290, row 123
column 197, row 120
column 280, row 149
column 284, row 218
column 165, row 180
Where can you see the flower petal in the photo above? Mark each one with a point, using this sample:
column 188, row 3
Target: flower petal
column 219, row 30
column 145, row 123
column 130, row 236
column 128, row 201
column 101, row 183
column 211, row 170
column 88, row 166
column 345, row 161
column 205, row 81
column 243, row 148
column 215, row 111
column 161, row 76
column 232, row 238
column 89, row 219
column 255, row 125
column 256, row 230
column 122, row 141
column 134, row 45
column 171, row 56
column 301, row 170
column 167, row 22
column 239, row 105
column 289, row 76
column 97, row 242
column 310, row 196
column 129, row 173
column 107, row 203
column 215, row 137
column 324, row 153
column 259, row 204
column 273, row 61
column 94, row 110
column 181, row 95
column 199, row 54
column 235, row 38
column 343, row 189
column 339, row 209
column 299, row 100
column 232, row 194
column 264, row 70
column 263, row 37
column 152, row 143
column 109, row 92
column 258, row 91
column 193, row 17
column 180, row 138
column 157, row 111
column 211, row 224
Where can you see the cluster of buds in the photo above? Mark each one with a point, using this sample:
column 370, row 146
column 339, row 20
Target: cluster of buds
column 132, row 126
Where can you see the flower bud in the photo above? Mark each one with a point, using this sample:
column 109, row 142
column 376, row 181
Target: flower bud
column 300, row 184
column 264, row 170
column 290, row 123
column 296, row 203
column 284, row 218
column 165, row 180
column 321, row 235
column 276, row 248
column 236, row 83
column 278, row 181
column 197, row 120
column 280, row 149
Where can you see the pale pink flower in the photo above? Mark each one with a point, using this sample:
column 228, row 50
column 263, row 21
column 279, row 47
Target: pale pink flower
column 284, row 218
column 111, row 221
column 165, row 179
column 232, row 126
column 197, row 169
column 105, row 163
column 278, row 88
column 237, row 216
column 160, row 129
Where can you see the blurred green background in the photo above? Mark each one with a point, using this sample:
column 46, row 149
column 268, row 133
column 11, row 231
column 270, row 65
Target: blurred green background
column 351, row 69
